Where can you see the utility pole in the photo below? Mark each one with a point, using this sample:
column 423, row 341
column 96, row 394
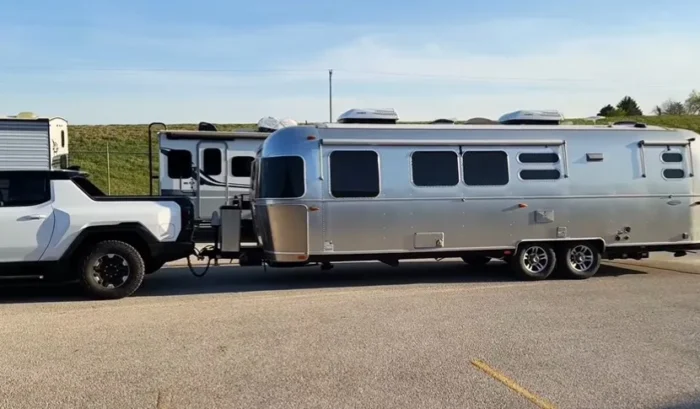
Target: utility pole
column 330, row 95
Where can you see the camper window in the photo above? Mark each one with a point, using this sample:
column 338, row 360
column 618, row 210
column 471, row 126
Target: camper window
column 63, row 139
column 281, row 177
column 354, row 174
column 28, row 188
column 435, row 168
column 212, row 162
column 485, row 168
column 179, row 164
column 671, row 157
column 538, row 157
column 241, row 166
column 674, row 173
column 540, row 174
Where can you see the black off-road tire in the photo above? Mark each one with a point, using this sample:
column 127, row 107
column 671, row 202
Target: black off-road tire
column 579, row 261
column 476, row 261
column 531, row 254
column 123, row 253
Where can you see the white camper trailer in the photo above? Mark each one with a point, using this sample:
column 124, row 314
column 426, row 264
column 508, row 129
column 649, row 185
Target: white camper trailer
column 208, row 166
column 28, row 142
column 213, row 166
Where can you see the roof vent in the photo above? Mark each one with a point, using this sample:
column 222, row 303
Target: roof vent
column 631, row 123
column 524, row 117
column 369, row 116
column 206, row 126
column 443, row 121
column 268, row 124
column 480, row 121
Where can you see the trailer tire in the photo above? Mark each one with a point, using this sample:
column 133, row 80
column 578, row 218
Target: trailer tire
column 111, row 270
column 579, row 260
column 476, row 261
column 534, row 261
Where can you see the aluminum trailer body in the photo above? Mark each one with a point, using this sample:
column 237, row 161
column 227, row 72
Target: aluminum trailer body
column 387, row 192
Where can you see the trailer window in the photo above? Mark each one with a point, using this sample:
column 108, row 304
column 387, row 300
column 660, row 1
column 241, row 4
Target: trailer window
column 18, row 189
column 540, row 174
column 354, row 174
column 538, row 157
column 179, row 164
column 485, row 168
column 432, row 168
column 281, row 177
column 674, row 173
column 63, row 139
column 671, row 157
column 241, row 166
column 211, row 159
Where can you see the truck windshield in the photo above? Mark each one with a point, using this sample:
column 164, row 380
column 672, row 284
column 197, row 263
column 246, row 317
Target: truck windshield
column 281, row 177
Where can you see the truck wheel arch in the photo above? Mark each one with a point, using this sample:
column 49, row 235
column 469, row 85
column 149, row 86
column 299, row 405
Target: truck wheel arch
column 134, row 234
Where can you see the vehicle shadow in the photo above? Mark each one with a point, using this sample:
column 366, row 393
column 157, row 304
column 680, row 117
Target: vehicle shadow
column 691, row 402
column 175, row 281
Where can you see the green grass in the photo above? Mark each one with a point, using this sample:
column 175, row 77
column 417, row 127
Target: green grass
column 128, row 146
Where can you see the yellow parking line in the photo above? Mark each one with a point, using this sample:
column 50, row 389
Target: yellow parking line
column 542, row 403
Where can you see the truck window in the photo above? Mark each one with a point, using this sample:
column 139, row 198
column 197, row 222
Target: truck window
column 540, row 174
column 354, row 173
column 212, row 162
column 241, row 166
column 485, row 168
column 179, row 164
column 281, row 177
column 432, row 168
column 671, row 157
column 538, row 157
column 674, row 173
column 24, row 188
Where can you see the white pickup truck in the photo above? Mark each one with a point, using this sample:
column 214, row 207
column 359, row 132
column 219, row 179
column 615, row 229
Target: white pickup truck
column 56, row 224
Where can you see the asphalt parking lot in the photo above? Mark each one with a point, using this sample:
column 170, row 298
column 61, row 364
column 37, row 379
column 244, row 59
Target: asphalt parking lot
column 423, row 335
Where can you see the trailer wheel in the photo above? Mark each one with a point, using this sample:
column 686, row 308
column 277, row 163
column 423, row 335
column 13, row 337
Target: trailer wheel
column 111, row 270
column 534, row 261
column 476, row 261
column 579, row 260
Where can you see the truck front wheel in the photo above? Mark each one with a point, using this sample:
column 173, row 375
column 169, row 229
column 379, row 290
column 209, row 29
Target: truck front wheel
column 111, row 270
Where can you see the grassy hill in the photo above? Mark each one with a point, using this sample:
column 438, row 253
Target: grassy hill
column 128, row 150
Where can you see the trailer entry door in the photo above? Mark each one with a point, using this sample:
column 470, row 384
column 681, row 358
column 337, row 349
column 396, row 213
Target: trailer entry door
column 212, row 178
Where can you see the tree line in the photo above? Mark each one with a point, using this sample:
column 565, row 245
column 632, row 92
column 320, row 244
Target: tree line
column 629, row 107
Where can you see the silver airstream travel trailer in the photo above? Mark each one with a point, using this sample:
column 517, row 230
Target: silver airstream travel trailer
column 540, row 195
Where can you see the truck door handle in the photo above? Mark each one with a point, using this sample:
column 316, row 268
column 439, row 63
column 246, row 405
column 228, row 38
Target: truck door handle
column 32, row 217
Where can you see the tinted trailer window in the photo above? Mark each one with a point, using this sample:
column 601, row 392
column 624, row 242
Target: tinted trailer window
column 281, row 177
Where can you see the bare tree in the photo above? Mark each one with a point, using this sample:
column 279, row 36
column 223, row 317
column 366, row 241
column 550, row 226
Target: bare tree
column 671, row 107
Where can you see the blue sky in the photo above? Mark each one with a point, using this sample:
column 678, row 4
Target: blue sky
column 233, row 61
